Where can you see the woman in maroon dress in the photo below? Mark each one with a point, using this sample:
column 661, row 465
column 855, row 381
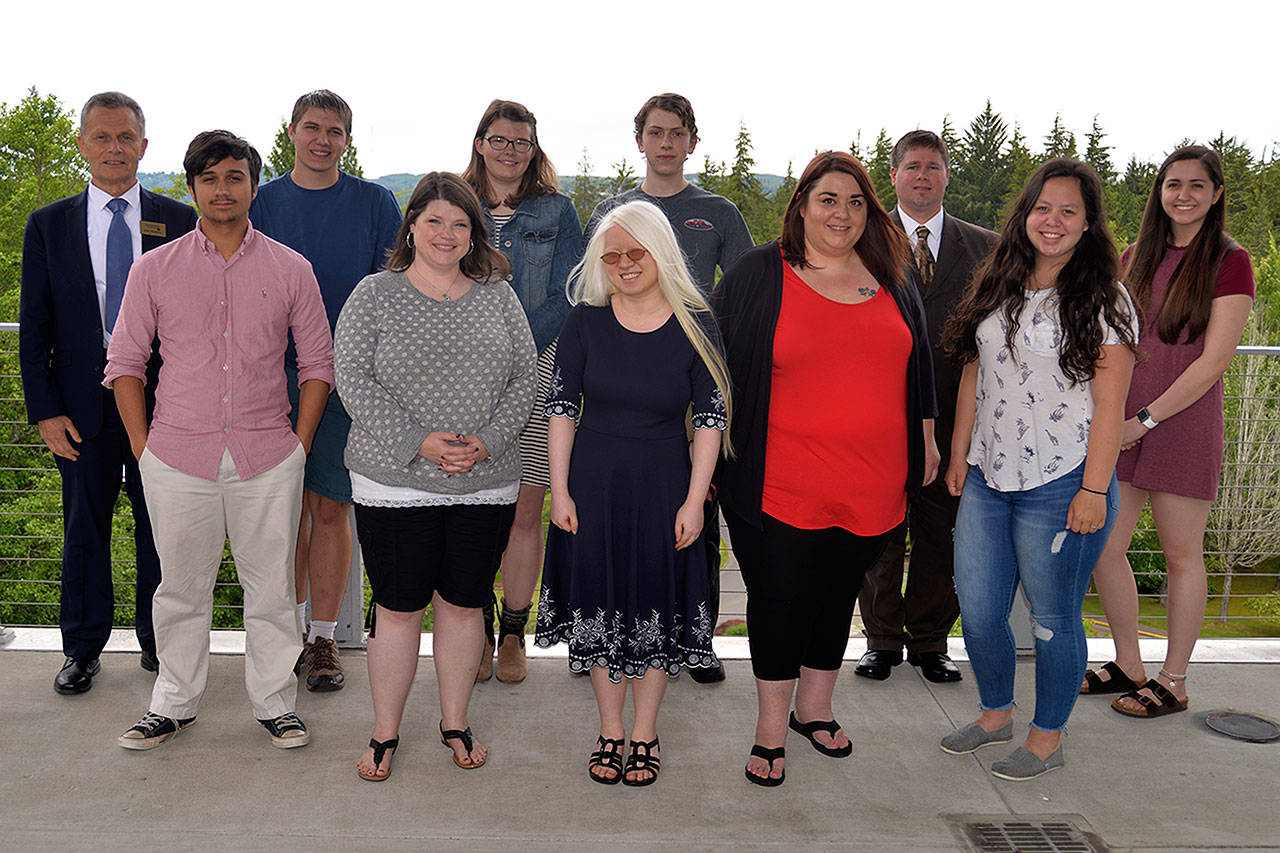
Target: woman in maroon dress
column 1194, row 285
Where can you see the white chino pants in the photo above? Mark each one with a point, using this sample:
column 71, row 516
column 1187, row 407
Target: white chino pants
column 192, row 518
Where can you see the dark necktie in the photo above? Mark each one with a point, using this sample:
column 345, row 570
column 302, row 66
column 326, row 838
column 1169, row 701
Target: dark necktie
column 119, row 259
column 923, row 257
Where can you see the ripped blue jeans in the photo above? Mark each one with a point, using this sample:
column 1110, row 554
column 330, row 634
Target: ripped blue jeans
column 1002, row 538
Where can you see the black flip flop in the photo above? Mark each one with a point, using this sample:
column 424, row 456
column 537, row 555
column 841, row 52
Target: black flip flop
column 769, row 755
column 828, row 726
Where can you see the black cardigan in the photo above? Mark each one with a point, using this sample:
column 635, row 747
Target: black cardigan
column 747, row 303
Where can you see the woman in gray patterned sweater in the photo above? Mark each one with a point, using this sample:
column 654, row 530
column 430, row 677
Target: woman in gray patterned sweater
column 435, row 365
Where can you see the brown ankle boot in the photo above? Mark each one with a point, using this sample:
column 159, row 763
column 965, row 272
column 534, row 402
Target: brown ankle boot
column 485, row 672
column 512, row 665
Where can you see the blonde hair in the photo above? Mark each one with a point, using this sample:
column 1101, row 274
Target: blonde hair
column 589, row 283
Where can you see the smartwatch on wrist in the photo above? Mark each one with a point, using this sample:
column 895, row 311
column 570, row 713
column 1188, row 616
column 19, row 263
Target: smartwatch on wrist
column 1144, row 418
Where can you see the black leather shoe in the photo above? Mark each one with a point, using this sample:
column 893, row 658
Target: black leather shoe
column 707, row 674
column 149, row 661
column 877, row 664
column 935, row 667
column 76, row 676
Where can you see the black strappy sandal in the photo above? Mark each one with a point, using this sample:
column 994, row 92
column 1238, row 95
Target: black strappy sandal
column 379, row 748
column 769, row 755
column 608, row 756
column 646, row 763
column 468, row 742
column 828, row 726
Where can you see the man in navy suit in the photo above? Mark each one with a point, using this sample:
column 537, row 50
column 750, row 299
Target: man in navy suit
column 75, row 259
column 945, row 251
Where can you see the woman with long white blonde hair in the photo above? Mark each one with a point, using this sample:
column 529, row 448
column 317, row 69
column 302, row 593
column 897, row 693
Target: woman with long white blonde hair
column 620, row 583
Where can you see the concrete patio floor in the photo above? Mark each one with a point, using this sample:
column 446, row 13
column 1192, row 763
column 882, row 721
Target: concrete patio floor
column 1168, row 784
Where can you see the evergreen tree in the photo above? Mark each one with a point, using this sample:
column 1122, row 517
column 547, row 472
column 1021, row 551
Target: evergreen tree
column 712, row 178
column 587, row 191
column 1021, row 164
column 1128, row 200
column 855, row 147
column 742, row 187
column 1098, row 154
column 280, row 159
column 623, row 178
column 980, row 175
column 878, row 164
column 1060, row 142
column 1239, row 169
column 947, row 133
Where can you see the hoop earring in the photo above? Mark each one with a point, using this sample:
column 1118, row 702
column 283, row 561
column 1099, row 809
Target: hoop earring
column 408, row 239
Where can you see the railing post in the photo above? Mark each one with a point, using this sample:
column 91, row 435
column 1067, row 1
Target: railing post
column 350, row 631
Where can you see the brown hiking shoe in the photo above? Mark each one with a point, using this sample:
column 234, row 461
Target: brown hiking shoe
column 324, row 670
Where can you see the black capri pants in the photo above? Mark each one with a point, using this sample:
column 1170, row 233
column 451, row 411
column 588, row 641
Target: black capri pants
column 412, row 552
column 801, row 589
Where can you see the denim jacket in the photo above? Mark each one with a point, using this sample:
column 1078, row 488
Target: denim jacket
column 543, row 241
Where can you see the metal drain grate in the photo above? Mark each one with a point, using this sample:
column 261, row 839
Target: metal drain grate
column 1024, row 835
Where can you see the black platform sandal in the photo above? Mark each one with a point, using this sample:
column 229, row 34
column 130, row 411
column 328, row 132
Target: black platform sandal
column 379, row 748
column 769, row 755
column 608, row 756
column 646, row 763
column 468, row 742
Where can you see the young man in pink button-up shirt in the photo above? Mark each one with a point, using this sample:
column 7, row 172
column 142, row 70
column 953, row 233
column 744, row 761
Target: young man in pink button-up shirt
column 219, row 458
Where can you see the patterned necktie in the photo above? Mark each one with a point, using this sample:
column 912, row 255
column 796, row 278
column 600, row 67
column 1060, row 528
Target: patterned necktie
column 923, row 257
column 119, row 259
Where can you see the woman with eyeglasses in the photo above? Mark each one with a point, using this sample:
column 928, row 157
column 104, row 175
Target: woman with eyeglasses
column 536, row 227
column 622, row 586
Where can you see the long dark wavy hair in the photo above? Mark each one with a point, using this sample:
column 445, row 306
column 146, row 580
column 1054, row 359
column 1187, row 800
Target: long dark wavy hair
column 883, row 248
column 1190, row 296
column 540, row 176
column 482, row 263
column 1087, row 285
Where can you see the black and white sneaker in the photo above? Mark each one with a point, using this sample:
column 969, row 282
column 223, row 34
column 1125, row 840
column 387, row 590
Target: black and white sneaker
column 287, row 731
column 152, row 730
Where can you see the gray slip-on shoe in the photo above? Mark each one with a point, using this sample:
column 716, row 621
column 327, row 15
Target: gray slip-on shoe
column 1021, row 765
column 974, row 737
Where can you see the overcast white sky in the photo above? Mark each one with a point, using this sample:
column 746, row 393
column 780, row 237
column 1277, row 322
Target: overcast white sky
column 803, row 75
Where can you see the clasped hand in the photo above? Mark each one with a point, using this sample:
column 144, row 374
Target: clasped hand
column 453, row 452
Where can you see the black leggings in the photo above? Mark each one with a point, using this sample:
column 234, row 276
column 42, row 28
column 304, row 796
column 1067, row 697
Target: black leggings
column 801, row 589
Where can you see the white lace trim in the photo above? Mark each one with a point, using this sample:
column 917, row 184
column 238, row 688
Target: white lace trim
column 561, row 409
column 709, row 420
column 368, row 492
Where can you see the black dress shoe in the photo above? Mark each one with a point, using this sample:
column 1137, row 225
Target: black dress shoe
column 877, row 664
column 76, row 675
column 707, row 674
column 149, row 661
column 935, row 666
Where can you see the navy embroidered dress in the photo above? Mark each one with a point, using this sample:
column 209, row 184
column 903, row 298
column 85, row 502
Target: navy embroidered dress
column 618, row 591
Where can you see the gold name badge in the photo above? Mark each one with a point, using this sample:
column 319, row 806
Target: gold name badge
column 152, row 229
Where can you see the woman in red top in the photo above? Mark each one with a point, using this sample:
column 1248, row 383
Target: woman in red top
column 828, row 354
column 1194, row 285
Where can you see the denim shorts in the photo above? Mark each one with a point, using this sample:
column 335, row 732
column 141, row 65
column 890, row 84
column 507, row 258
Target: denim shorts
column 326, row 471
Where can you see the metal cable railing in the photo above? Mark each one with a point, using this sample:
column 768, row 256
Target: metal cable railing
column 1242, row 546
